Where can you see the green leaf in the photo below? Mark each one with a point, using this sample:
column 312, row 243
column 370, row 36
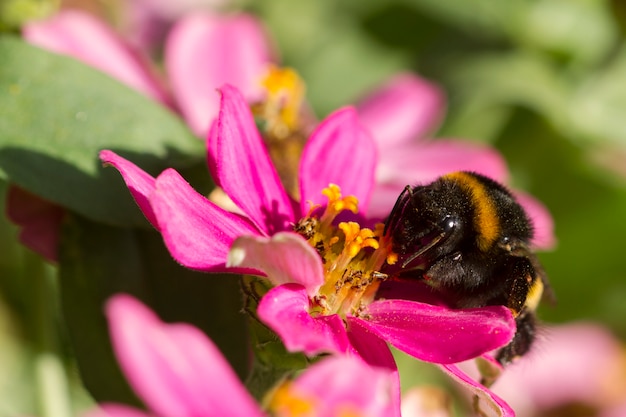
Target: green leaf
column 97, row 261
column 57, row 114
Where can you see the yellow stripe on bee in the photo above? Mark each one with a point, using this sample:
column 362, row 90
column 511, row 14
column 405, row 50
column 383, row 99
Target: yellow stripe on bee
column 535, row 293
column 486, row 221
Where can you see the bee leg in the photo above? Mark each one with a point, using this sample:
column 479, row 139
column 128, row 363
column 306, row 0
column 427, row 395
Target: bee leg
column 398, row 209
column 522, row 341
column 524, row 293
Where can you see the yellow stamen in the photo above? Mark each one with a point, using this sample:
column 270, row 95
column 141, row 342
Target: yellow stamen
column 332, row 192
column 352, row 274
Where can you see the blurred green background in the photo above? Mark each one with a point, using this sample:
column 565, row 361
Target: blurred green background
column 544, row 81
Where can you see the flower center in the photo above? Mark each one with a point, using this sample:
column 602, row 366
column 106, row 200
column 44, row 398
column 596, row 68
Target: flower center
column 352, row 256
column 287, row 401
column 281, row 108
column 279, row 117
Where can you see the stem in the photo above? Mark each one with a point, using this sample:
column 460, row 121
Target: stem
column 52, row 387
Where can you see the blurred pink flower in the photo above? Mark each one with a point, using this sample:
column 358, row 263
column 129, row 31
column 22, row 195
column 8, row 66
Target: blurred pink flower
column 578, row 366
column 87, row 38
column 202, row 52
column 146, row 22
column 200, row 235
column 400, row 115
column 39, row 220
column 177, row 371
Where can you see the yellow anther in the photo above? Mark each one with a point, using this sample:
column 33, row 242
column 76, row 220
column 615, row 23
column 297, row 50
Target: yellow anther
column 392, row 258
column 357, row 238
column 350, row 229
column 379, row 228
column 351, row 203
column 332, row 192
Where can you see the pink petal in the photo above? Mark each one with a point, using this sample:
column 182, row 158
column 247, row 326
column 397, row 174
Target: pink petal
column 573, row 363
column 339, row 151
column 406, row 108
column 384, row 197
column 285, row 309
column 541, row 219
column 332, row 381
column 174, row 368
column 205, row 51
column 285, row 258
column 490, row 403
column 374, row 351
column 425, row 162
column 244, row 168
column 115, row 410
column 140, row 183
column 438, row 334
column 88, row 39
column 39, row 220
column 197, row 233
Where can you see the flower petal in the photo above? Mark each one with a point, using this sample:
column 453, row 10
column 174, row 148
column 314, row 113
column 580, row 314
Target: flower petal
column 244, row 168
column 571, row 364
column 39, row 220
column 496, row 405
column 344, row 385
column 285, row 309
column 205, row 51
column 425, row 162
column 405, row 108
column 438, row 334
column 115, row 410
column 197, row 232
column 540, row 218
column 174, row 368
column 86, row 38
column 422, row 163
column 140, row 183
column 285, row 258
column 339, row 151
column 374, row 350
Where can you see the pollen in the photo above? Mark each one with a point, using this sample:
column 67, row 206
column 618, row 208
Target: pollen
column 352, row 255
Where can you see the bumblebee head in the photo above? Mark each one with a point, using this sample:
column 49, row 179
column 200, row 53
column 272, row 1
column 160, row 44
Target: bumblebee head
column 459, row 212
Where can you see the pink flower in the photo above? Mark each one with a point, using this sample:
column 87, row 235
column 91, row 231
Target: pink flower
column 200, row 235
column 177, row 371
column 400, row 115
column 90, row 40
column 40, row 221
column 202, row 52
column 146, row 22
column 574, row 365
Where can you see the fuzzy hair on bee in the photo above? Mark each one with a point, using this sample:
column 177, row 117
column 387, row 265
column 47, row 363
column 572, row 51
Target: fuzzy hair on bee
column 467, row 237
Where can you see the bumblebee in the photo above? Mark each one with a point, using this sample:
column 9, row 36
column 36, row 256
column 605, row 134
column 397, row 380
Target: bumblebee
column 467, row 237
